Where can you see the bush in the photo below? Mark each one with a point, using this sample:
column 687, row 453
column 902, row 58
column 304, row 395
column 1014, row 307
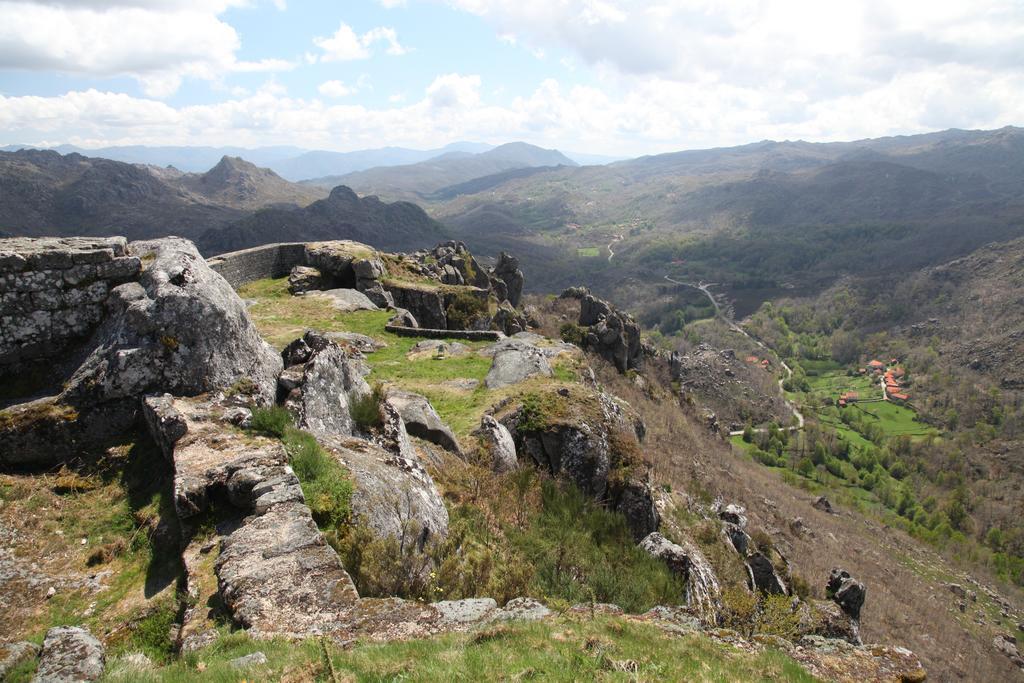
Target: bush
column 365, row 410
column 464, row 310
column 572, row 333
column 273, row 421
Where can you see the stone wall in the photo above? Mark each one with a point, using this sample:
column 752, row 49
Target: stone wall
column 470, row 335
column 257, row 263
column 52, row 292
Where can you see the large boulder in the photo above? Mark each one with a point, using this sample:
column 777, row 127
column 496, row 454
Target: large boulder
column 304, row 279
column 515, row 361
column 505, row 275
column 611, row 333
column 394, row 495
column 346, row 300
column 321, row 382
column 763, row 576
column 181, row 329
column 702, row 587
column 593, row 441
column 846, row 592
column 421, row 420
column 499, row 444
column 70, row 654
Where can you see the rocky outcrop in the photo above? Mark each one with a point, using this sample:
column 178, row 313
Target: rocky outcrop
column 421, row 420
column 394, row 495
column 849, row 594
column 452, row 264
column 507, row 279
column 763, row 575
column 180, row 329
column 304, row 279
column 346, row 300
column 499, row 444
column 611, row 333
column 515, row 361
column 702, row 589
column 426, row 304
column 590, row 439
column 846, row 592
column 320, row 384
column 13, row 654
column 508, row 320
column 70, row 654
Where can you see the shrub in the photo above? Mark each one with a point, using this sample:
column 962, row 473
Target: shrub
column 464, row 310
column 739, row 607
column 572, row 333
column 365, row 410
column 273, row 421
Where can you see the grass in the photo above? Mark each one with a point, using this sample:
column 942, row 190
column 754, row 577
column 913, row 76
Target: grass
column 561, row 649
column 896, row 420
column 281, row 318
column 117, row 497
column 588, row 252
column 326, row 485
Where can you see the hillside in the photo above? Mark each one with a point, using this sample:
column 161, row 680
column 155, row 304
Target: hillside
column 239, row 184
column 342, row 215
column 414, row 181
column 232, row 206
column 382, row 496
column 762, row 218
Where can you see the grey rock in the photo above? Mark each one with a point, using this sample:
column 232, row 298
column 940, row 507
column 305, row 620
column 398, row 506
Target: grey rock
column 166, row 425
column 822, row 503
column 465, row 611
column 248, row 661
column 515, row 363
column 331, row 380
column 522, row 609
column 846, row 592
column 346, row 300
column 421, row 420
column 13, row 654
column 426, row 304
column 379, row 296
column 586, row 449
column 763, row 576
column 506, row 271
column 668, row 552
column 304, row 279
column 499, row 443
column 440, row 347
column 403, row 318
column 356, row 341
column 508, row 320
column 394, row 496
column 190, row 334
column 70, row 654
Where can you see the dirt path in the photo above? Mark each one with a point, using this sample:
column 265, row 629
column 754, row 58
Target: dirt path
column 704, row 287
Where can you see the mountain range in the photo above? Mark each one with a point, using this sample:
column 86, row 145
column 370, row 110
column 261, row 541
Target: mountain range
column 291, row 163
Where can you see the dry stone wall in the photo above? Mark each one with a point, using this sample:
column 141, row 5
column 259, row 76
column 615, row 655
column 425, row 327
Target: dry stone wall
column 52, row 292
column 269, row 260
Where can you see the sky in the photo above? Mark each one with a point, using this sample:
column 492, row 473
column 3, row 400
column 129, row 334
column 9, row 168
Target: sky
column 615, row 77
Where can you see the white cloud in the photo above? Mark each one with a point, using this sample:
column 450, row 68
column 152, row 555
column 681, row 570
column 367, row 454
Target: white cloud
column 335, row 89
column 157, row 43
column 347, row 45
column 391, row 4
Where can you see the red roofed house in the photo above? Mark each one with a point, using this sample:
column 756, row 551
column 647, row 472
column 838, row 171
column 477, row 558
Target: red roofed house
column 876, row 365
column 752, row 359
column 899, row 398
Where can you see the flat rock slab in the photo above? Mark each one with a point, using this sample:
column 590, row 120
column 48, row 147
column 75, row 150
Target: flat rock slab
column 421, row 420
column 514, row 362
column 346, row 300
column 70, row 654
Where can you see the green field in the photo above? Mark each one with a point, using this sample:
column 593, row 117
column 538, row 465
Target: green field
column 588, row 252
column 829, row 385
column 894, row 419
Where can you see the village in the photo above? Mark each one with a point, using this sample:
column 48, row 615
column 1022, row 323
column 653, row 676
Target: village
column 891, row 378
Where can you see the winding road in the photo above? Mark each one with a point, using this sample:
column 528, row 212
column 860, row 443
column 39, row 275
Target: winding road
column 611, row 254
column 703, row 286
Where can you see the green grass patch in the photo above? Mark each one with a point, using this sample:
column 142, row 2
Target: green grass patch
column 563, row 649
column 588, row 252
